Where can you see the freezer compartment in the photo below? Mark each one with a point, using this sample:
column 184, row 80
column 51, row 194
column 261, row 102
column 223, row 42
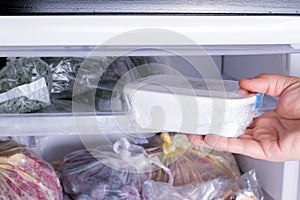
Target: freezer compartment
column 94, row 103
column 66, row 131
column 220, row 62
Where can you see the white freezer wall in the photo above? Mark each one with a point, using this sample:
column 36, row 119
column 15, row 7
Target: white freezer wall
column 298, row 193
column 294, row 63
column 251, row 65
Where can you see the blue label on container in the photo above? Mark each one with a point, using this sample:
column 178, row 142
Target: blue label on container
column 259, row 100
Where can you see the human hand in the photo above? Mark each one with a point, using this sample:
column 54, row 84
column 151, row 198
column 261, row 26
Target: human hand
column 273, row 136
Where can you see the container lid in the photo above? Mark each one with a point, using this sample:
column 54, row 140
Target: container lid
column 172, row 84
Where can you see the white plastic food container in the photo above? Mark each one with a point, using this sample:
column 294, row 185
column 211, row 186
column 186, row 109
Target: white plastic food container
column 190, row 105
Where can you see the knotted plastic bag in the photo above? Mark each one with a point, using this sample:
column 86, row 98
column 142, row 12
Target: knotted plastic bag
column 107, row 172
column 25, row 176
column 188, row 164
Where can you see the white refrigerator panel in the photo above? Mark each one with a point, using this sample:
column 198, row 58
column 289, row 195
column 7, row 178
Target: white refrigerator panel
column 97, row 30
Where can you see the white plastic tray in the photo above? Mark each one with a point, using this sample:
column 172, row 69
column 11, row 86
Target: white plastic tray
column 190, row 105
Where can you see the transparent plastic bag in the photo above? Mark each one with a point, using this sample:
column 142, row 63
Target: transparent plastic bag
column 217, row 189
column 106, row 172
column 24, row 85
column 63, row 72
column 24, row 175
column 249, row 188
column 20, row 71
column 25, row 98
column 210, row 190
column 87, row 71
column 108, row 88
column 189, row 164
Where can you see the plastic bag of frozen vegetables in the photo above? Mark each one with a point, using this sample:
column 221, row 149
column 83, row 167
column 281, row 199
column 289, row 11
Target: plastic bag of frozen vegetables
column 101, row 79
column 95, row 74
column 189, row 164
column 24, row 85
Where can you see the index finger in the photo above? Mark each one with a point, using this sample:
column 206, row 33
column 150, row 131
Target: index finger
column 245, row 146
column 270, row 84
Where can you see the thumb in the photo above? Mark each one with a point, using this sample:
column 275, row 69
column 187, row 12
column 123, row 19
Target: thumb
column 287, row 87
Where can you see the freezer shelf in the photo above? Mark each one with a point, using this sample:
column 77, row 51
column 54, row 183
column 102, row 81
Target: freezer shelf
column 145, row 50
column 39, row 124
column 62, row 124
